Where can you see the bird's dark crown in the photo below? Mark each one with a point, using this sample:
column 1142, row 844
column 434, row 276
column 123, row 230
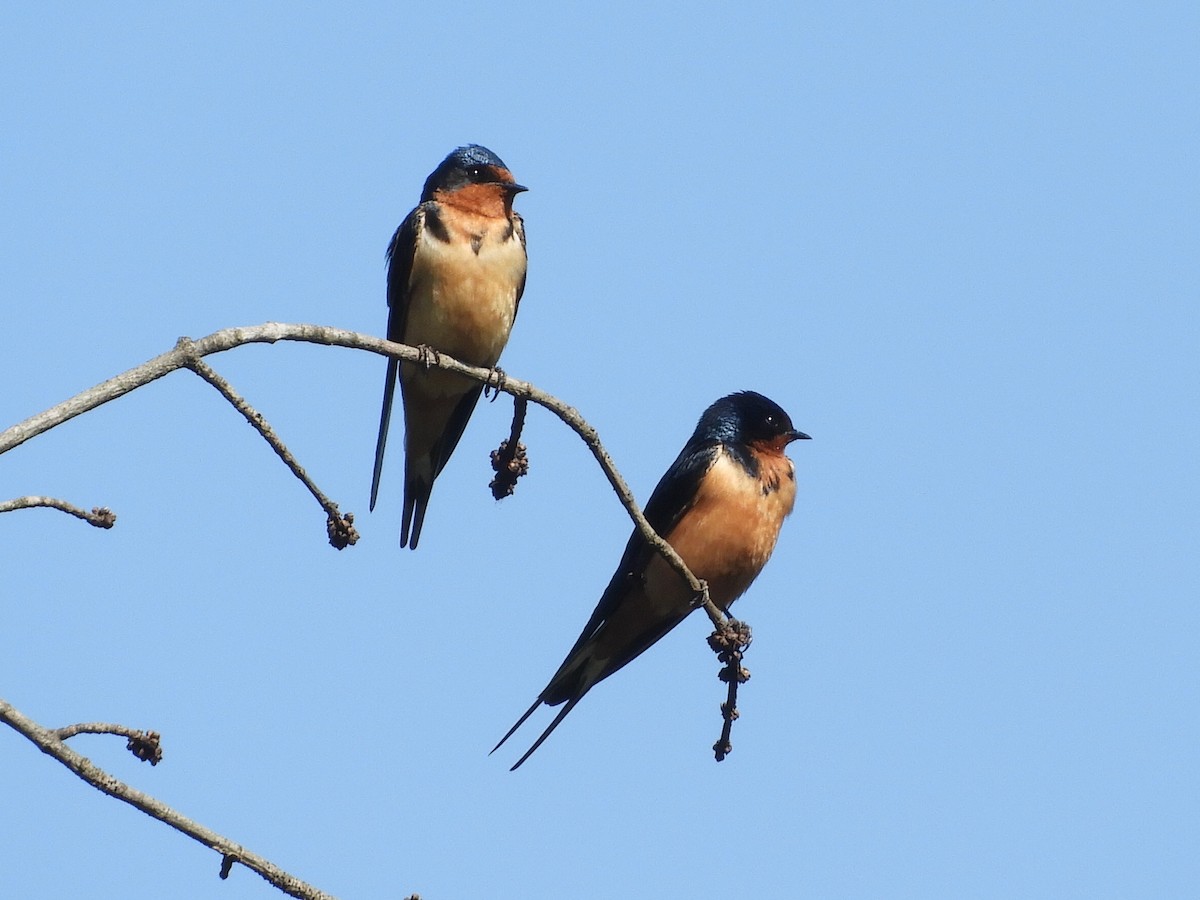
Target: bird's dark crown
column 472, row 164
column 743, row 418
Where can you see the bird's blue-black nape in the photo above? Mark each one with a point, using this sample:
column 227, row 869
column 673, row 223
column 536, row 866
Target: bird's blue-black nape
column 463, row 166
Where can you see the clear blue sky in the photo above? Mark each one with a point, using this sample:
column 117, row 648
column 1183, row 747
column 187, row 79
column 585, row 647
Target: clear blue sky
column 957, row 242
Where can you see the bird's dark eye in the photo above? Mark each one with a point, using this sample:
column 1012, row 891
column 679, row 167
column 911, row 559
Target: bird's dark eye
column 771, row 420
column 475, row 171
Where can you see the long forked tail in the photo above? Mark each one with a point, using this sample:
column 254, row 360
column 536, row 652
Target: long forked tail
column 417, row 488
column 545, row 734
column 385, row 418
column 562, row 714
column 520, row 722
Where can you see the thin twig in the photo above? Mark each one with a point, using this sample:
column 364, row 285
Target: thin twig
column 100, row 516
column 729, row 642
column 145, row 745
column 341, row 528
column 49, row 742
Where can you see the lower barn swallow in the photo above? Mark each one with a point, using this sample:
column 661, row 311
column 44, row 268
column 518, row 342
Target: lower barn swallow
column 456, row 272
column 720, row 505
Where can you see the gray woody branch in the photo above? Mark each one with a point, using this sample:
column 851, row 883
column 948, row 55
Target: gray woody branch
column 52, row 743
column 188, row 353
column 100, row 516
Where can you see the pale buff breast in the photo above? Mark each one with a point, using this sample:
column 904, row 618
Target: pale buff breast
column 463, row 302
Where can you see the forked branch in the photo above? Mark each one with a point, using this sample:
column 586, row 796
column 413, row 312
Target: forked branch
column 187, row 354
column 53, row 743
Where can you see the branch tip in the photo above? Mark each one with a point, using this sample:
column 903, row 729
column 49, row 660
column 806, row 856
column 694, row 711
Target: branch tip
column 341, row 530
column 509, row 465
column 510, row 460
column 729, row 641
column 146, row 746
column 100, row 516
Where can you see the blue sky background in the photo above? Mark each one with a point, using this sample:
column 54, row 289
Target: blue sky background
column 958, row 242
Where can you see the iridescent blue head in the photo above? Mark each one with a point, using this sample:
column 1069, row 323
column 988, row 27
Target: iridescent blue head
column 472, row 164
column 747, row 417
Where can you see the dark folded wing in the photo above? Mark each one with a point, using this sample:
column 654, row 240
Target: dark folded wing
column 673, row 496
column 400, row 253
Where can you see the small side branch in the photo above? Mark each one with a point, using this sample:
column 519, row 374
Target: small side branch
column 729, row 642
column 100, row 516
column 340, row 527
column 509, row 460
column 145, row 745
column 50, row 742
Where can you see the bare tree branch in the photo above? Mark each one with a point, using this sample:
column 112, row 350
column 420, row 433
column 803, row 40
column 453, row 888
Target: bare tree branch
column 100, row 516
column 50, row 742
column 729, row 641
column 188, row 351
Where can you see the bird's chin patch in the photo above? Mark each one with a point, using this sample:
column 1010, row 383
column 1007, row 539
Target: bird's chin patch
column 772, row 446
column 490, row 200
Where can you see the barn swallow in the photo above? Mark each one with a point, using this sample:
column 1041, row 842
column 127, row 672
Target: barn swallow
column 456, row 272
column 720, row 505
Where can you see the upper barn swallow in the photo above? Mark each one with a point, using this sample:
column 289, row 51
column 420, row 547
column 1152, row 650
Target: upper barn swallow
column 456, row 272
column 720, row 505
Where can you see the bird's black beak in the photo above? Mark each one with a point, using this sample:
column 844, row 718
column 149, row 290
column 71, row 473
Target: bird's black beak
column 798, row 435
column 513, row 188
